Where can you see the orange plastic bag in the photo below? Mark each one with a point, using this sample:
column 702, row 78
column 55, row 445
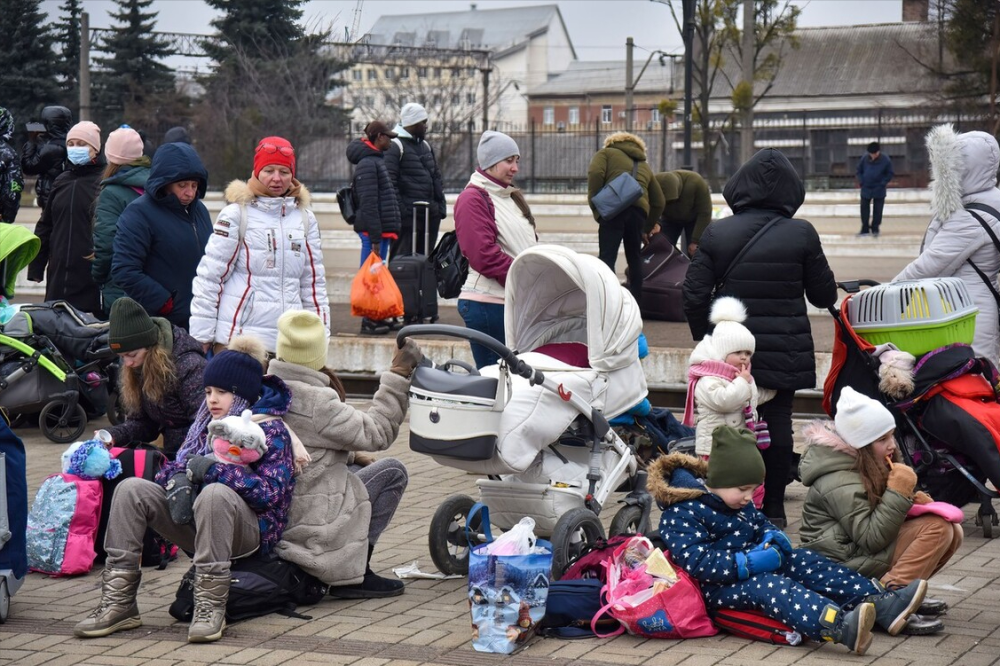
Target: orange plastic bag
column 374, row 293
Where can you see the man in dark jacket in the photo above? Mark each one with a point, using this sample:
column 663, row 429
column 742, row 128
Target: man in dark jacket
column 45, row 153
column 874, row 173
column 770, row 278
column 11, row 180
column 161, row 236
column 687, row 208
column 623, row 152
column 416, row 177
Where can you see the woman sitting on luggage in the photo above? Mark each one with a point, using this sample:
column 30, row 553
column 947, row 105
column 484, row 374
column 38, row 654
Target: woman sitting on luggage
column 343, row 500
column 860, row 496
column 240, row 509
column 264, row 256
column 160, row 381
column 493, row 224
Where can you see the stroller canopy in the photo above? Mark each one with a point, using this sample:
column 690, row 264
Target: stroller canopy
column 554, row 294
column 18, row 247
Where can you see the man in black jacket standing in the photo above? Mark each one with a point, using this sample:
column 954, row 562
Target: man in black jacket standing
column 781, row 265
column 416, row 177
column 45, row 153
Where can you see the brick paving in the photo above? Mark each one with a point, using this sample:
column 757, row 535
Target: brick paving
column 430, row 623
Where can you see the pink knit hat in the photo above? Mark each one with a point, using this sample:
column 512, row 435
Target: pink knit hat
column 124, row 146
column 87, row 132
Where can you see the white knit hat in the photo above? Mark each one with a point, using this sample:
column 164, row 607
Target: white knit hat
column 411, row 114
column 861, row 420
column 730, row 335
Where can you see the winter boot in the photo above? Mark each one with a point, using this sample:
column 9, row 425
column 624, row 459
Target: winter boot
column 894, row 607
column 117, row 610
column 853, row 629
column 932, row 607
column 372, row 587
column 922, row 625
column 209, row 619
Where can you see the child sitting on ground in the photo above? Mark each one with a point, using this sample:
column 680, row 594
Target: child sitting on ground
column 744, row 562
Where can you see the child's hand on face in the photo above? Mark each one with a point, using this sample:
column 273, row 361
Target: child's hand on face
column 744, row 372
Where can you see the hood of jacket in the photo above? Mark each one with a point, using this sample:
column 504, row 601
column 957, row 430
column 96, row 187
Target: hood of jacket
column 767, row 181
column 826, row 452
column 129, row 176
column 57, row 120
column 177, row 135
column 676, row 478
column 628, row 143
column 174, row 162
column 6, row 124
column 961, row 164
column 239, row 192
column 275, row 397
column 357, row 150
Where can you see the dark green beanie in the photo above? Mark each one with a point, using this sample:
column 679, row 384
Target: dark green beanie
column 131, row 328
column 735, row 460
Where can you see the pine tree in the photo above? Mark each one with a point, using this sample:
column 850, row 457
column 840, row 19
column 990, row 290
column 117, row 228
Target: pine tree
column 68, row 36
column 133, row 76
column 28, row 76
column 264, row 27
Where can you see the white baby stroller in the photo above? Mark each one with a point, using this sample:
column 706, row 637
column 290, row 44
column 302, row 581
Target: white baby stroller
column 537, row 423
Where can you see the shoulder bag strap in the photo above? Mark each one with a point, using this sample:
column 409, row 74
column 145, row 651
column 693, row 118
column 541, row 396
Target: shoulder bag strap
column 996, row 243
column 736, row 260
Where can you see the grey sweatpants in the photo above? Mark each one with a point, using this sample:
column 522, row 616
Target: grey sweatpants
column 385, row 479
column 224, row 526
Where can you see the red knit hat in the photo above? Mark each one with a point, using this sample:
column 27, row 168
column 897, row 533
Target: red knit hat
column 273, row 150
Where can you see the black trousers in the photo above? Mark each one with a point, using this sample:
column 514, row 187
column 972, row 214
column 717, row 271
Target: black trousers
column 403, row 245
column 876, row 214
column 778, row 457
column 674, row 230
column 625, row 229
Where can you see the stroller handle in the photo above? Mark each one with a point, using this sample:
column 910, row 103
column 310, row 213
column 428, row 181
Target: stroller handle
column 506, row 354
column 854, row 286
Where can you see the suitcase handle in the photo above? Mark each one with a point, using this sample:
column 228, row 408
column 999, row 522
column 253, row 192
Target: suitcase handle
column 427, row 227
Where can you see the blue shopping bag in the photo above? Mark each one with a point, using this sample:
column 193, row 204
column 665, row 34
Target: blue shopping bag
column 507, row 593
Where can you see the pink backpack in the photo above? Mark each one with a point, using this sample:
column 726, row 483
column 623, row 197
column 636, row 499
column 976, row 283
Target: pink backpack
column 62, row 525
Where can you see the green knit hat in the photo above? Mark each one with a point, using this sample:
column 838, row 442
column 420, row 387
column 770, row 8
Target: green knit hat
column 131, row 328
column 735, row 460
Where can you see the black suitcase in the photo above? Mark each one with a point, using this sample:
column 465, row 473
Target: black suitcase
column 415, row 277
column 663, row 270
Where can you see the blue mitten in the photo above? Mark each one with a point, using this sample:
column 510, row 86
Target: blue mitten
column 775, row 539
column 757, row 562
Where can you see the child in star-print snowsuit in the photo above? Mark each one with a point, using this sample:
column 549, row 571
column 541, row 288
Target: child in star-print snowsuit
column 743, row 562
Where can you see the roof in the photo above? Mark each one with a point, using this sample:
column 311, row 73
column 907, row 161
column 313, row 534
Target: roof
column 489, row 29
column 602, row 76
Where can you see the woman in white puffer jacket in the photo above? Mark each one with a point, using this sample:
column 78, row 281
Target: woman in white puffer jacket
column 963, row 172
column 247, row 279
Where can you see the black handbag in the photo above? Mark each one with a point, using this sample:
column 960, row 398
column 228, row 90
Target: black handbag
column 347, row 203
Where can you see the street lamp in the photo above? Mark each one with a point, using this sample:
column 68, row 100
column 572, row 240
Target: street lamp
column 631, row 83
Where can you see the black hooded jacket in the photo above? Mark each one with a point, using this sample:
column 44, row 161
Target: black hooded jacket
column 11, row 180
column 45, row 157
column 771, row 277
column 378, row 209
column 416, row 177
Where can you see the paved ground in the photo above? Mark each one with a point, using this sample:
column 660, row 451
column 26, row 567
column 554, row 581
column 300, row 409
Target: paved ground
column 430, row 623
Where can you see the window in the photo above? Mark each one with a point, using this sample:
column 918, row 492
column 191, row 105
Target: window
column 456, row 100
column 357, row 75
column 369, row 101
column 470, row 98
column 388, row 74
column 421, row 72
column 404, row 72
column 548, row 116
column 372, row 75
column 471, row 72
column 606, row 114
column 437, row 72
column 654, row 115
column 574, row 115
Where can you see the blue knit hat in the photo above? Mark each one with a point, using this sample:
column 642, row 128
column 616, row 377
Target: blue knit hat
column 239, row 369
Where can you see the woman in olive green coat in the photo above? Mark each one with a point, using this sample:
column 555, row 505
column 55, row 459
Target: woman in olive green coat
column 124, row 182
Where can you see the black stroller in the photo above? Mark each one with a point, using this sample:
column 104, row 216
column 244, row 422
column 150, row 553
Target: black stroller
column 954, row 465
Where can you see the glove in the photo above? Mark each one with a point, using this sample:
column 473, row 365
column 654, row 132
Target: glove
column 758, row 562
column 406, row 359
column 902, row 479
column 168, row 307
column 775, row 539
column 197, row 468
column 180, row 498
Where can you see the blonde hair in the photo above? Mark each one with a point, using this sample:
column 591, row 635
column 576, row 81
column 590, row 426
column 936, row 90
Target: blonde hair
column 156, row 378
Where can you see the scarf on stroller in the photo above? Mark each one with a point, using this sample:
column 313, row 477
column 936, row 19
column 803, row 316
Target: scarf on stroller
column 712, row 368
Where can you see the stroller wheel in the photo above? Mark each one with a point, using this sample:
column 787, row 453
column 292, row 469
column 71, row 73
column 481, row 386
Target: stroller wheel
column 4, row 601
column 576, row 530
column 116, row 414
column 627, row 521
column 61, row 424
column 447, row 540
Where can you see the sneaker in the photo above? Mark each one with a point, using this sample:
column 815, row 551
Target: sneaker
column 932, row 607
column 852, row 629
column 894, row 607
column 919, row 625
column 863, row 234
column 372, row 327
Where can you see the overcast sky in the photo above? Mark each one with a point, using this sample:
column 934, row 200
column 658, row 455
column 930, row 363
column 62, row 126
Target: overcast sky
column 598, row 28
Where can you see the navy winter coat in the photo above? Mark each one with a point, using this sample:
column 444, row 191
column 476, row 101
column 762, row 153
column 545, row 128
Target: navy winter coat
column 416, row 177
column 159, row 242
column 378, row 209
column 874, row 175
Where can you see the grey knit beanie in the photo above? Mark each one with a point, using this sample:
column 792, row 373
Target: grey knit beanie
column 495, row 147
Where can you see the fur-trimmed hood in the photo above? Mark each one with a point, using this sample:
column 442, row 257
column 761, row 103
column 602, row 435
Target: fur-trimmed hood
column 961, row 164
column 638, row 151
column 826, row 452
column 239, row 192
column 676, row 478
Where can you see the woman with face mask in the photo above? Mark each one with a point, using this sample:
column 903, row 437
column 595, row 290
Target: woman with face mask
column 66, row 225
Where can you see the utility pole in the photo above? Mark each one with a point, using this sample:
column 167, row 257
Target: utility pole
column 688, row 76
column 629, row 46
column 486, row 96
column 84, row 66
column 746, row 132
